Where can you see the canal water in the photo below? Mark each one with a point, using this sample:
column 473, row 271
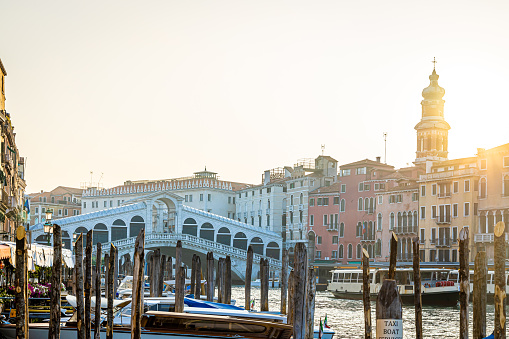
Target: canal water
column 346, row 317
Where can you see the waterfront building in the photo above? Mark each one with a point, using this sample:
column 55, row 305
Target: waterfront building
column 357, row 217
column 63, row 201
column 493, row 189
column 204, row 191
column 324, row 231
column 12, row 172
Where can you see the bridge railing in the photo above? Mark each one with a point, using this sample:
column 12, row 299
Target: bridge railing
column 191, row 240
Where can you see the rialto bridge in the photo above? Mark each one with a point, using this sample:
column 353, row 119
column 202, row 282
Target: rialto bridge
column 166, row 220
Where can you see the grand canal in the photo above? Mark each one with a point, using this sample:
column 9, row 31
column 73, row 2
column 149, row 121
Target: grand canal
column 346, row 317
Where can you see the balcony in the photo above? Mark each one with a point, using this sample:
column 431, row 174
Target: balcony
column 290, row 208
column 245, row 214
column 301, row 207
column 487, row 237
column 267, row 211
column 405, row 230
column 260, row 212
column 368, row 237
column 443, row 219
column 443, row 242
column 448, row 174
column 444, row 194
column 252, row 213
column 370, row 210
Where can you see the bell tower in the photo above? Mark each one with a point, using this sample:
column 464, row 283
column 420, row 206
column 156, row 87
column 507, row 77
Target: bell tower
column 432, row 130
column 3, row 73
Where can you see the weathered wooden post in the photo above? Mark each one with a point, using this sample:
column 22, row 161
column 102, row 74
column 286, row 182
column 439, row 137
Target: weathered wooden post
column 138, row 278
column 180, row 280
column 87, row 283
column 21, row 275
column 97, row 321
column 365, row 294
column 110, row 282
column 220, row 282
column 115, row 274
column 291, row 290
column 178, row 256
column 170, row 268
column 78, row 267
column 210, row 276
column 264, row 285
column 417, row 288
column 163, row 275
column 249, row 273
column 283, row 281
column 300, row 291
column 156, row 274
column 193, row 274
column 197, row 276
column 106, row 261
column 227, row 280
column 464, row 283
column 310, row 304
column 56, row 282
column 388, row 304
column 393, row 257
column 500, row 294
column 479, row 295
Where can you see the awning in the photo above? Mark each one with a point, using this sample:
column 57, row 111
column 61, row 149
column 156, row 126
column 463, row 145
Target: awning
column 5, row 252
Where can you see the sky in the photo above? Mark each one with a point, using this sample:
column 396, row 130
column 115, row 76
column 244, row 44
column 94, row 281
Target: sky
column 134, row 90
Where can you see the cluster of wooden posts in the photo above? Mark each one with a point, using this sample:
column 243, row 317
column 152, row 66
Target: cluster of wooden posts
column 388, row 305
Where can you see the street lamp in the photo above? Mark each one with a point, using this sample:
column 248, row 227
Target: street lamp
column 48, row 226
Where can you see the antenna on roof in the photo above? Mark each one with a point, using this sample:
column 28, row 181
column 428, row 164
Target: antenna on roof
column 385, row 148
column 91, row 174
column 323, row 148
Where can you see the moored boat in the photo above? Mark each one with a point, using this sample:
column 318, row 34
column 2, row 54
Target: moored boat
column 436, row 288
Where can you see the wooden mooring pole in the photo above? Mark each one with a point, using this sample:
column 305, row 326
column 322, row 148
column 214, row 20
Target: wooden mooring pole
column 163, row 275
column 138, row 282
column 249, row 273
column 300, row 291
column 220, row 280
column 170, row 268
column 180, row 280
column 210, row 276
column 500, row 293
column 464, row 282
column 264, row 285
column 21, row 275
column 389, row 311
column 78, row 267
column 87, row 284
column 193, row 272
column 291, row 290
column 156, row 276
column 365, row 294
column 310, row 303
column 479, row 295
column 106, row 261
column 227, row 280
column 178, row 257
column 197, row 277
column 97, row 321
column 56, row 282
column 417, row 288
column 283, row 281
column 110, row 282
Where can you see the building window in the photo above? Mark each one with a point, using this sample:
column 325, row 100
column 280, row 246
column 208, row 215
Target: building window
column 319, row 202
column 312, row 202
column 434, row 189
column 334, row 254
column 325, row 216
column 359, row 207
column 379, row 222
column 455, row 235
column 343, row 188
column 466, row 209
column 380, row 199
column 336, row 200
column 482, row 188
column 361, row 170
column 229, row 200
column 467, row 185
column 84, row 205
column 423, row 191
column 361, row 186
column 422, row 237
column 342, row 205
column 359, row 251
column 53, row 200
column 433, row 212
column 367, row 187
column 59, row 212
column 505, row 189
column 415, row 196
column 268, row 220
column 455, row 187
column 423, row 212
column 350, row 250
column 209, row 197
column 455, row 210
column 37, row 210
column 65, row 212
column 325, row 201
column 335, row 240
column 433, row 235
column 391, row 223
column 111, row 203
column 506, row 162
column 341, row 230
column 319, row 240
column 311, row 220
column 345, row 172
column 341, row 250
column 318, row 254
column 484, row 164
column 201, row 196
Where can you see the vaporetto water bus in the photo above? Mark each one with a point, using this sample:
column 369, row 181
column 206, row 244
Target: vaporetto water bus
column 436, row 286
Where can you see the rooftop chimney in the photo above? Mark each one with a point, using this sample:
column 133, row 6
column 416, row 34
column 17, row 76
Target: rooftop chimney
column 378, row 159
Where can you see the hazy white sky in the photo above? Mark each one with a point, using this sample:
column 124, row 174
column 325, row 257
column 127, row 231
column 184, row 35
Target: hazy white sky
column 159, row 89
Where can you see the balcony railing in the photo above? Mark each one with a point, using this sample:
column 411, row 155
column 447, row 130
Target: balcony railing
column 443, row 219
column 487, row 237
column 267, row 211
column 368, row 237
column 290, row 208
column 370, row 210
column 301, row 207
column 260, row 212
column 405, row 229
column 444, row 194
column 448, row 174
column 443, row 242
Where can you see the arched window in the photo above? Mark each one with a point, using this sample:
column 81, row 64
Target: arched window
column 342, row 230
column 301, row 200
column 342, row 205
column 341, row 250
column 273, row 250
column 359, row 251
column 404, row 219
column 257, row 244
column 379, row 221
column 410, row 221
column 366, row 204
column 224, row 236
column 358, row 231
column 391, row 224
column 482, row 188
column 371, row 231
column 136, row 225
column 259, row 221
column 100, row 234
column 118, row 230
column 291, row 199
column 83, row 231
column 268, row 203
column 416, row 223
column 350, row 250
column 379, row 247
column 372, row 204
column 207, row 231
column 359, row 207
column 240, row 241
